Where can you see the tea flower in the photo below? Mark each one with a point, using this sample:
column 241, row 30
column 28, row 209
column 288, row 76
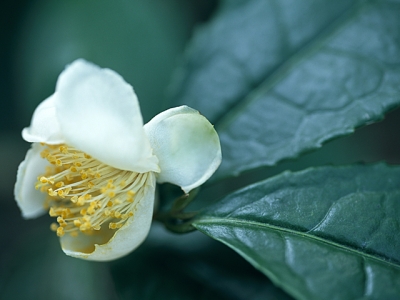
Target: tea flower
column 94, row 166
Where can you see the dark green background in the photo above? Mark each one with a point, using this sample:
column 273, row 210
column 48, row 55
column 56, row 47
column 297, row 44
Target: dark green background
column 144, row 42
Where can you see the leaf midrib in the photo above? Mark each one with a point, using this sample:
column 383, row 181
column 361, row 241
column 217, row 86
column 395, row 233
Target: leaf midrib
column 310, row 47
column 279, row 229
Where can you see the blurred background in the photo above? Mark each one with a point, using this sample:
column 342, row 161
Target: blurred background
column 143, row 40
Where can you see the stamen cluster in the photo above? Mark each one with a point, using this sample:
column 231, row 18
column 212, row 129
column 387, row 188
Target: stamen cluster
column 84, row 194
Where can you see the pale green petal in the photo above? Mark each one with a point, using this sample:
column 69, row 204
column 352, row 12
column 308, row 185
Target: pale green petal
column 44, row 126
column 30, row 200
column 186, row 145
column 99, row 113
column 125, row 239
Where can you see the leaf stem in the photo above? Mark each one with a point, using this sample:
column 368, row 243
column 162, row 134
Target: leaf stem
column 176, row 220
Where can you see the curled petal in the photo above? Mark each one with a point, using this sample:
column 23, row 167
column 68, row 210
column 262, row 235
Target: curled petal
column 30, row 200
column 186, row 145
column 44, row 125
column 99, row 113
column 108, row 244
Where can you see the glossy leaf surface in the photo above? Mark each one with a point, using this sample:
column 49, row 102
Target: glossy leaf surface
column 324, row 233
column 281, row 77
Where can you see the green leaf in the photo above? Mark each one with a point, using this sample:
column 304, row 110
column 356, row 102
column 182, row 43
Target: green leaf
column 281, row 77
column 323, row 233
column 192, row 266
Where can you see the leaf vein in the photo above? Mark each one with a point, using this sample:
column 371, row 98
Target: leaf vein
column 282, row 230
column 323, row 218
column 312, row 46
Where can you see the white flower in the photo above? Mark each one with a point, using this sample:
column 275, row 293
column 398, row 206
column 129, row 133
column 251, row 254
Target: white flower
column 94, row 166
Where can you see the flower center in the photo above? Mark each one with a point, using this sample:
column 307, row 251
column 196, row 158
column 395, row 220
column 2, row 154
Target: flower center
column 85, row 194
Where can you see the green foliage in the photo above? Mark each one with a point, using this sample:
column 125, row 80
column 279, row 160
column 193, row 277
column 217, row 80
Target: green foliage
column 281, row 77
column 325, row 233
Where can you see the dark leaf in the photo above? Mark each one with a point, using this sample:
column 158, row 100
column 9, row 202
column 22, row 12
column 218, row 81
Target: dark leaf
column 324, row 233
column 281, row 77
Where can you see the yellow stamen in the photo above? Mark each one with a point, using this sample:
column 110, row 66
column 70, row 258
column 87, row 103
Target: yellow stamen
column 81, row 191
column 60, row 231
column 59, row 184
column 53, row 227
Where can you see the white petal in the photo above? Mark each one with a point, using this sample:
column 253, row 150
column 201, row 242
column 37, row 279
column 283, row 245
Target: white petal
column 186, row 145
column 44, row 125
column 99, row 114
column 125, row 239
column 30, row 200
